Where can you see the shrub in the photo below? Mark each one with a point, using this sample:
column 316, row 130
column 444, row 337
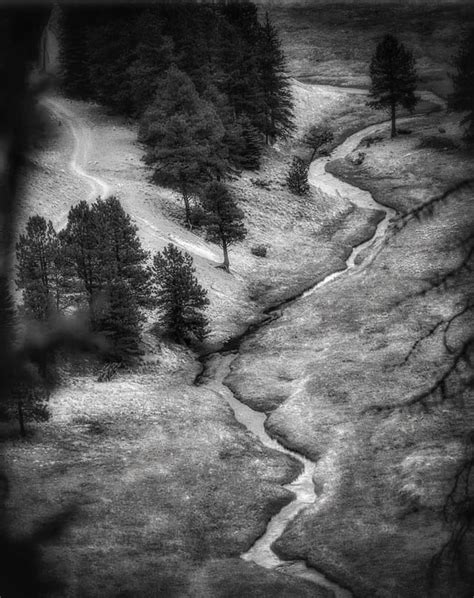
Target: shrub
column 259, row 250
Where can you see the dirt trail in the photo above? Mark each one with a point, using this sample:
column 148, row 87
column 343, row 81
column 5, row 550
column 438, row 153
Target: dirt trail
column 159, row 233
column 82, row 146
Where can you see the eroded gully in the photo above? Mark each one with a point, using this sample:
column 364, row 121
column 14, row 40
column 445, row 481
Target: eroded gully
column 217, row 366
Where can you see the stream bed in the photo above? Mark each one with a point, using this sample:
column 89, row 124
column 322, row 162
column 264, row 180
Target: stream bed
column 218, row 365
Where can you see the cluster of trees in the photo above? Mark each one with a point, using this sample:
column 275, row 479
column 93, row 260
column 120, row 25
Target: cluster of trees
column 208, row 79
column 462, row 98
column 96, row 265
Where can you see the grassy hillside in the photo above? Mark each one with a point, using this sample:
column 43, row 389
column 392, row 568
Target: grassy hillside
column 333, row 44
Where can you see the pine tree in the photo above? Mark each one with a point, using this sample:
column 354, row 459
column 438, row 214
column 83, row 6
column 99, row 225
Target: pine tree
column 318, row 138
column 110, row 46
column 277, row 97
column 238, row 59
column 121, row 323
column 152, row 57
column 73, row 55
column 179, row 297
column 103, row 246
column 41, row 271
column 184, row 134
column 297, row 179
column 119, row 248
column 393, row 75
column 462, row 98
column 223, row 218
column 81, row 239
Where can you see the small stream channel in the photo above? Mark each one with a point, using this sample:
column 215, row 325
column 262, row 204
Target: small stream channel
column 218, row 365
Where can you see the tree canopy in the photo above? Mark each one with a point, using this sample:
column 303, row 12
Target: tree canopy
column 462, row 98
column 223, row 218
column 178, row 296
column 393, row 78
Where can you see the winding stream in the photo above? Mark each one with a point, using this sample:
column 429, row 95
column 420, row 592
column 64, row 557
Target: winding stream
column 217, row 367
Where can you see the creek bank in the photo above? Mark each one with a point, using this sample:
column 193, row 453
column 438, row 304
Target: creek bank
column 383, row 478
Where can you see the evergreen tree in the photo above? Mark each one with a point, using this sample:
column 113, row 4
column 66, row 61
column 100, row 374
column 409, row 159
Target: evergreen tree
column 81, row 239
column 121, row 323
column 184, row 134
column 41, row 270
column 152, row 57
column 241, row 80
column 393, row 76
column 73, row 52
column 110, row 46
column 297, row 179
column 179, row 297
column 318, row 138
column 277, row 97
column 462, row 98
column 103, row 246
column 119, row 248
column 223, row 218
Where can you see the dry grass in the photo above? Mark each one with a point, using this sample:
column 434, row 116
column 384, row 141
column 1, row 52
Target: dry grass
column 383, row 477
column 333, row 45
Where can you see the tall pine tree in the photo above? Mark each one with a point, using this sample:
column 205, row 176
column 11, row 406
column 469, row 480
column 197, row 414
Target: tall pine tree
column 223, row 218
column 462, row 98
column 42, row 272
column 277, row 117
column 184, row 134
column 151, row 58
column 393, row 75
column 121, row 323
column 179, row 297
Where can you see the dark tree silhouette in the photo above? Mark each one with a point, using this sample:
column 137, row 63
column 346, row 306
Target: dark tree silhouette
column 276, row 90
column 41, row 269
column 184, row 134
column 179, row 297
column 102, row 245
column 318, row 138
column 393, row 76
column 121, row 323
column 223, row 219
column 152, row 57
column 462, row 98
column 297, row 179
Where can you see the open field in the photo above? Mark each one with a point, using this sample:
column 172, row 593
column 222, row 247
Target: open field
column 333, row 44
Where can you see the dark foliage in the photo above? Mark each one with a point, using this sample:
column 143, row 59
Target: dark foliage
column 297, row 179
column 121, row 323
column 184, row 135
column 22, row 569
column 318, row 138
column 42, row 271
column 223, row 218
column 393, row 78
column 103, row 248
column 119, row 56
column 277, row 99
column 462, row 98
column 179, row 297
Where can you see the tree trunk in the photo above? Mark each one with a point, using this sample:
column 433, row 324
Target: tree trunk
column 226, row 256
column 184, row 192
column 187, row 210
column 21, row 420
column 394, row 128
